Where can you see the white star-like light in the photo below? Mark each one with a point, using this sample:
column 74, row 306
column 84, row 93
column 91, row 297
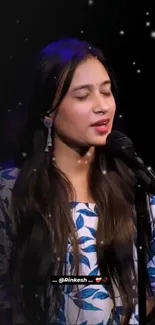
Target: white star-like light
column 24, row 154
column 82, row 31
column 148, row 23
column 122, row 32
column 152, row 34
column 90, row 2
column 147, row 13
column 138, row 71
column 134, row 63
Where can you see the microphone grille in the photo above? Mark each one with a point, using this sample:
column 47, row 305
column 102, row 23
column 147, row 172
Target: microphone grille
column 117, row 141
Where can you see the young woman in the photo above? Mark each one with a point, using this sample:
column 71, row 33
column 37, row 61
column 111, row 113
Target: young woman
column 70, row 208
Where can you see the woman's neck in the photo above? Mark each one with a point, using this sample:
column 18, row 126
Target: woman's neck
column 75, row 164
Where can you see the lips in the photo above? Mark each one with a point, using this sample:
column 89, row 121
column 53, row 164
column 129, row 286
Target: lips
column 101, row 122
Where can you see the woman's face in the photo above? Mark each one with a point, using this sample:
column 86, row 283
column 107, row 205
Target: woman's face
column 89, row 95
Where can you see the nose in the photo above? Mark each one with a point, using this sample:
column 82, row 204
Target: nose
column 100, row 105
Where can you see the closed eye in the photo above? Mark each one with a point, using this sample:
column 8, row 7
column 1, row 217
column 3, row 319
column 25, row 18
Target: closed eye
column 107, row 94
column 82, row 97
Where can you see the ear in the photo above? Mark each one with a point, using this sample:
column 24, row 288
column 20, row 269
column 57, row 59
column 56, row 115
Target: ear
column 50, row 118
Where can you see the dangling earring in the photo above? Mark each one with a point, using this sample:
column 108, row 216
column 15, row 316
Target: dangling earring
column 48, row 124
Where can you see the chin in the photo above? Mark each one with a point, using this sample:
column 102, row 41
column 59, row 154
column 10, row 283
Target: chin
column 101, row 141
column 98, row 143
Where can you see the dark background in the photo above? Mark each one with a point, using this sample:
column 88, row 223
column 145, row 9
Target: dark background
column 124, row 30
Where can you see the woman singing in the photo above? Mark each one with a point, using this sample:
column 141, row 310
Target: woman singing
column 70, row 208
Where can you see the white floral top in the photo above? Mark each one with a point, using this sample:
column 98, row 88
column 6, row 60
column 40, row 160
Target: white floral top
column 97, row 304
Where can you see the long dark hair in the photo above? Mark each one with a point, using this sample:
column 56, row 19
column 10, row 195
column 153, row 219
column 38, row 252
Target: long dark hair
column 40, row 200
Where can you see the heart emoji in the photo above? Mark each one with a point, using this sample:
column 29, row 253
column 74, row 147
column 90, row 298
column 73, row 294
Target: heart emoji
column 98, row 280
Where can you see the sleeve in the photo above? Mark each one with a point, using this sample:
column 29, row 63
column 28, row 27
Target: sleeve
column 151, row 261
column 7, row 180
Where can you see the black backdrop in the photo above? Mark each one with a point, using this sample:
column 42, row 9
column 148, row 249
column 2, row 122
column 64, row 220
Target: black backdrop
column 125, row 30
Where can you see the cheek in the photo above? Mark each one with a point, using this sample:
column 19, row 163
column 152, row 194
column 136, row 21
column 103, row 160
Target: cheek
column 113, row 106
column 72, row 113
column 68, row 118
column 114, row 111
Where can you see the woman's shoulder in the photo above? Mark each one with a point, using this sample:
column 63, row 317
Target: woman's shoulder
column 152, row 200
column 151, row 204
column 151, row 208
column 8, row 177
column 7, row 180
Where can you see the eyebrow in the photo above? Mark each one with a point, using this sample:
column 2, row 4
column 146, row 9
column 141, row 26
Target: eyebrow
column 90, row 86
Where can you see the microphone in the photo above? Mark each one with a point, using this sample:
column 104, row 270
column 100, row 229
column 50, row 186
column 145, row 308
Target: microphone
column 119, row 145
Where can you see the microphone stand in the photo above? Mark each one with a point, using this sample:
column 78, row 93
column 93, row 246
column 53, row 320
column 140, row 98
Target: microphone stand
column 139, row 204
